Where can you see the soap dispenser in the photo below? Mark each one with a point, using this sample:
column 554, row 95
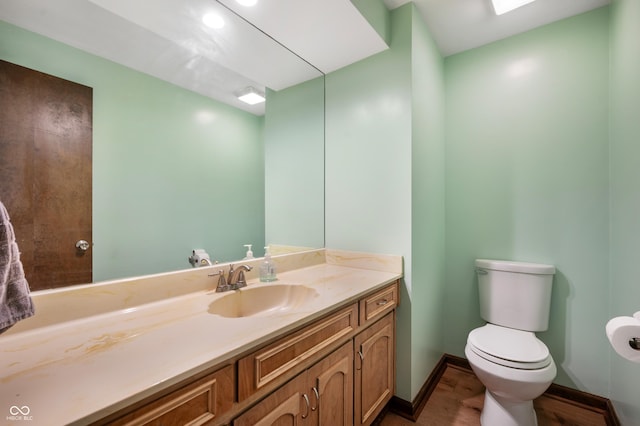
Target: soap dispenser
column 267, row 268
column 249, row 254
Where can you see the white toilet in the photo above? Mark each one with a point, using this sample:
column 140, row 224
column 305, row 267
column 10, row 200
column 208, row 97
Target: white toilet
column 505, row 354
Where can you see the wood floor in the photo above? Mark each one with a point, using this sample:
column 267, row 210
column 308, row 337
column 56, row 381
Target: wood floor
column 458, row 397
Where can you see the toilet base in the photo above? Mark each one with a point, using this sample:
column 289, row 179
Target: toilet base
column 500, row 411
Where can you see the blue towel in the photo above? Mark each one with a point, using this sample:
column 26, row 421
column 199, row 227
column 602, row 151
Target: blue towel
column 15, row 301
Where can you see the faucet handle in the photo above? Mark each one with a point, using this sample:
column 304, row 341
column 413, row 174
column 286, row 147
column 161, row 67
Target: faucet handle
column 241, row 281
column 222, row 282
column 231, row 271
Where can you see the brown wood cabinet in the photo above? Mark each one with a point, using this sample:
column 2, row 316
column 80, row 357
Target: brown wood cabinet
column 332, row 392
column 284, row 355
column 284, row 407
column 330, row 388
column 198, row 403
column 321, row 395
column 375, row 369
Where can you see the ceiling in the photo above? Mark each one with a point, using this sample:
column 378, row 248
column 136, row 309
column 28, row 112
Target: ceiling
column 168, row 39
column 459, row 25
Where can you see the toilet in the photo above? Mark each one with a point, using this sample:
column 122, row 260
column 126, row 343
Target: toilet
column 505, row 354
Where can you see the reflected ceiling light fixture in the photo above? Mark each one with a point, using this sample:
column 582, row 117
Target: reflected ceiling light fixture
column 251, row 96
column 504, row 6
column 247, row 3
column 213, row 20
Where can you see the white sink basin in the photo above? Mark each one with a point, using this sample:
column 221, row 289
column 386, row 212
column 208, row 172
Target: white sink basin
column 266, row 300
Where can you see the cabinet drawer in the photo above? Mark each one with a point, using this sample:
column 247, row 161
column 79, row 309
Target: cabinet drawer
column 378, row 304
column 198, row 403
column 282, row 356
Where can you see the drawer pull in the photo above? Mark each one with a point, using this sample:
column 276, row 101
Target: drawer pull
column 361, row 359
column 382, row 302
column 306, row 401
column 315, row 391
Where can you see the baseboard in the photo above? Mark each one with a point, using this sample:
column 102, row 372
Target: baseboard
column 587, row 400
column 412, row 410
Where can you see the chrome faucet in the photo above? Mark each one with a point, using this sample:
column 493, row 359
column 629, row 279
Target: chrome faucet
column 235, row 278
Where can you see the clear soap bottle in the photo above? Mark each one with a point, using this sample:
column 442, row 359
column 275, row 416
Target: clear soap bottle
column 267, row 268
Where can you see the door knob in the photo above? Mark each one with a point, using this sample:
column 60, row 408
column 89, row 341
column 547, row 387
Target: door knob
column 82, row 245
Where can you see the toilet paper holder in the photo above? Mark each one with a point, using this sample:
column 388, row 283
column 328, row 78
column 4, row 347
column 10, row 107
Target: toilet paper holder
column 634, row 342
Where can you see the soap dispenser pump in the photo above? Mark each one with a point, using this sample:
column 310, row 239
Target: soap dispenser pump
column 249, row 254
column 267, row 268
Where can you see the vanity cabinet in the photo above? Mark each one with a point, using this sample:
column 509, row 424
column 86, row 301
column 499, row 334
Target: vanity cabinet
column 332, row 392
column 338, row 370
column 321, row 395
column 375, row 369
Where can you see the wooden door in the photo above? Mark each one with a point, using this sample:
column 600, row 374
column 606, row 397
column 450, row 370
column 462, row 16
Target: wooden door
column 331, row 388
column 288, row 406
column 45, row 173
column 375, row 369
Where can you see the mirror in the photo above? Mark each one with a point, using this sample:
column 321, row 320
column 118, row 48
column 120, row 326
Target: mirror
column 178, row 164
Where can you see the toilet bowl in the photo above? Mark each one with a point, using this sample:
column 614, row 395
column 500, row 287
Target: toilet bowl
column 511, row 384
column 505, row 354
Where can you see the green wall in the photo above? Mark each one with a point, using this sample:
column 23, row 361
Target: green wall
column 294, row 165
column 527, row 173
column 385, row 179
column 378, row 16
column 625, row 194
column 427, row 204
column 368, row 159
column 166, row 163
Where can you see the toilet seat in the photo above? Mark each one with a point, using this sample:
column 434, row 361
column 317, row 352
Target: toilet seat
column 509, row 347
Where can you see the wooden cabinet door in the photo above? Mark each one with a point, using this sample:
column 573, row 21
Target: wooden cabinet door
column 375, row 369
column 288, row 406
column 331, row 388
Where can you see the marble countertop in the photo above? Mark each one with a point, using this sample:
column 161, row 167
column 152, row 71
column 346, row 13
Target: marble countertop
column 79, row 370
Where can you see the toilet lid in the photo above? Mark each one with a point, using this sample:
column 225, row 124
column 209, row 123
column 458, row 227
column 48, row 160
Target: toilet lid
column 509, row 347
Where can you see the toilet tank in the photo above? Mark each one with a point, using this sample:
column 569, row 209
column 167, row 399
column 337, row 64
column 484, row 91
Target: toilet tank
column 515, row 294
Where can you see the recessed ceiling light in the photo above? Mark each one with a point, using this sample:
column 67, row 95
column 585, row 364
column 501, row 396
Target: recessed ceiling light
column 247, row 3
column 213, row 20
column 504, row 6
column 251, row 96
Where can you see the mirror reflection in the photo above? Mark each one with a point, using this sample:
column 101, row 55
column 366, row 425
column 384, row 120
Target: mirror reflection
column 178, row 164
